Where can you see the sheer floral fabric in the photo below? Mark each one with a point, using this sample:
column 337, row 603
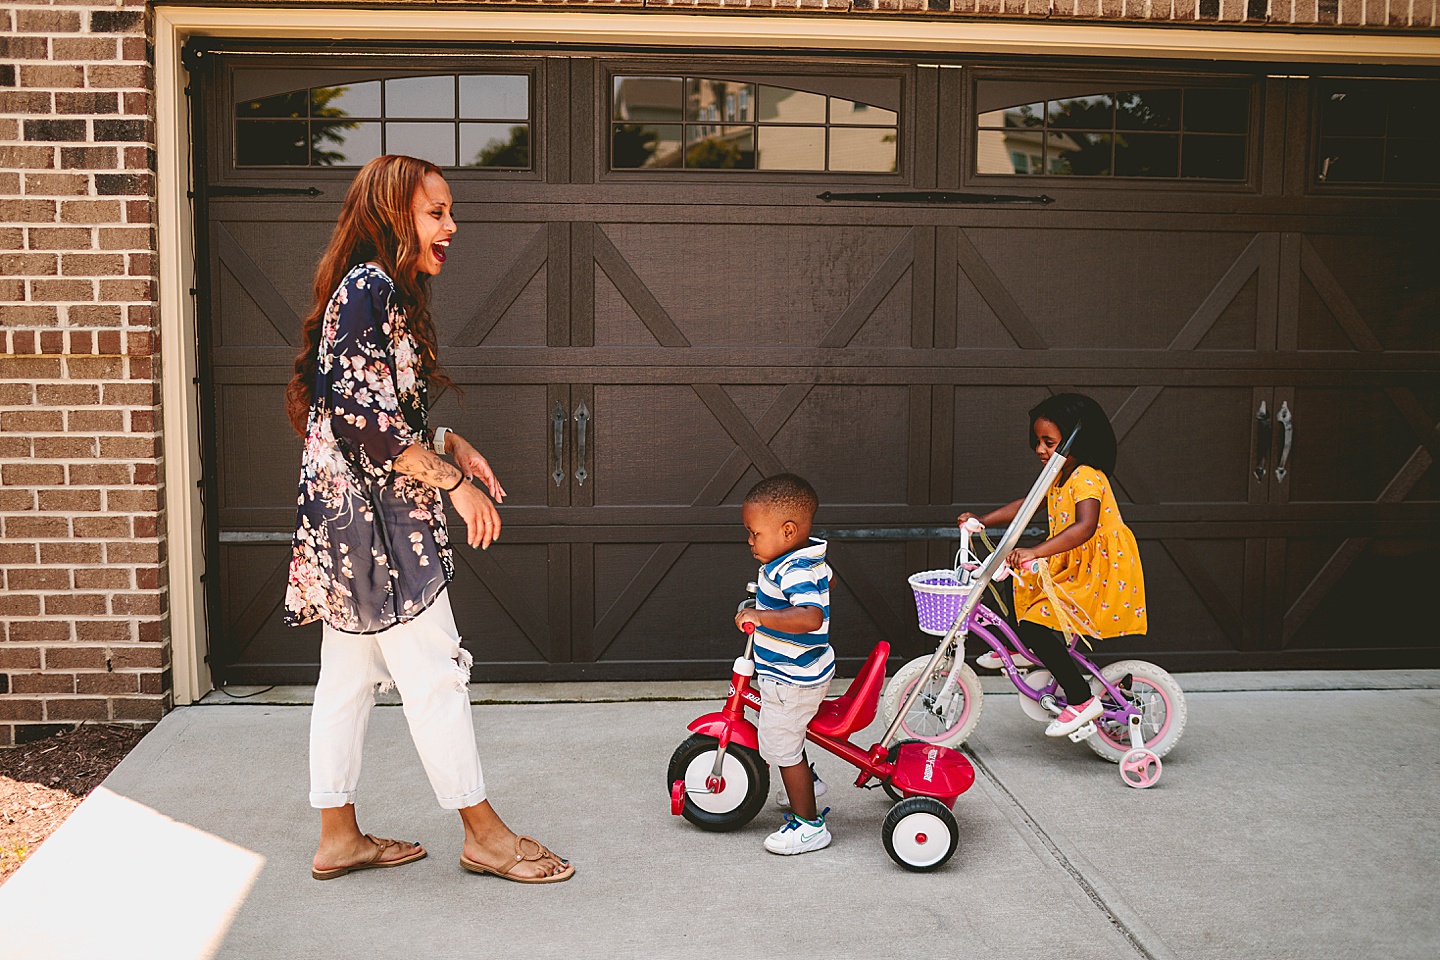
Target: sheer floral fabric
column 370, row 547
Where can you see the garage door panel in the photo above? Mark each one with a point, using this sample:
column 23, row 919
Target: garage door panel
column 1158, row 452
column 1089, row 289
column 1391, row 281
column 1182, row 617
column 251, row 603
column 1349, row 445
column 500, row 598
column 494, row 284
column 616, row 322
column 743, row 284
column 507, row 424
column 1234, row 329
column 888, row 325
column 262, row 452
column 246, row 324
column 851, row 442
column 654, row 445
column 994, row 462
column 1359, row 595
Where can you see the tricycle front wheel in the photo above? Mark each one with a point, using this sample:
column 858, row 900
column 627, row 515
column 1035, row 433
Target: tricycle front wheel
column 745, row 783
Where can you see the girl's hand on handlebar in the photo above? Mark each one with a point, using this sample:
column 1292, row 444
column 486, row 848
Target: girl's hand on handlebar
column 1021, row 558
column 960, row 520
column 746, row 616
column 482, row 520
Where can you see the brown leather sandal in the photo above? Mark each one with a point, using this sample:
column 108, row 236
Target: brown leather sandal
column 526, row 848
column 374, row 863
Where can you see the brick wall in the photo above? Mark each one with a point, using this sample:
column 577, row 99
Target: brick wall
column 83, row 601
column 81, row 536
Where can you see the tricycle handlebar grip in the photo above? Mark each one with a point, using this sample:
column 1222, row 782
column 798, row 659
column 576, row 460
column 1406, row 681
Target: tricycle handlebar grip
column 748, row 627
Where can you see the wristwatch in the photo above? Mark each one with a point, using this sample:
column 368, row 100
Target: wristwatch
column 439, row 445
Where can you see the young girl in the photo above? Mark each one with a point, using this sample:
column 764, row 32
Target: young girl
column 1092, row 555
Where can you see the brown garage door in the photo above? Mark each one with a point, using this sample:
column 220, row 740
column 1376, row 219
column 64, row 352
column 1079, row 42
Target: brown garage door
column 645, row 267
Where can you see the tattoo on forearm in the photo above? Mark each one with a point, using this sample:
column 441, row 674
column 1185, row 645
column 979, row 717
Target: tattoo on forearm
column 425, row 466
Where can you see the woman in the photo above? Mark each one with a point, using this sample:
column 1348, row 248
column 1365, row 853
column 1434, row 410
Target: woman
column 371, row 555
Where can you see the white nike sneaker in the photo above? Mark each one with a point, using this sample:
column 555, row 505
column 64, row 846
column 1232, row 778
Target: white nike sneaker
column 782, row 798
column 799, row 836
column 991, row 661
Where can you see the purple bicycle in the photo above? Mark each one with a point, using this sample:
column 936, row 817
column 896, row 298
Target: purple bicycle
column 1144, row 706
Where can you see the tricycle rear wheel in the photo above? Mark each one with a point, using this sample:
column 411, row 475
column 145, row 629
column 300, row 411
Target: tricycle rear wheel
column 920, row 833
column 746, row 783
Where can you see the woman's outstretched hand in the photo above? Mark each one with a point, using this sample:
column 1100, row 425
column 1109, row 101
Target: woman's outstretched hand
column 474, row 466
column 482, row 520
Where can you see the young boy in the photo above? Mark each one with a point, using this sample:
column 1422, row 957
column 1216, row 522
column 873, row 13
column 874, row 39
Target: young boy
column 793, row 659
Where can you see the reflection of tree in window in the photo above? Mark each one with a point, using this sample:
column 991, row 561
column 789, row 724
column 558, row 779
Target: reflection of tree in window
column 714, row 154
column 514, row 152
column 633, row 145
column 333, row 132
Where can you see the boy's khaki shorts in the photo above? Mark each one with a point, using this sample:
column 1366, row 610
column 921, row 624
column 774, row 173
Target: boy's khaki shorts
column 785, row 711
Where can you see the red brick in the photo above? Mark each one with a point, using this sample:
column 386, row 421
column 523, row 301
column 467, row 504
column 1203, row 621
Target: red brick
column 89, row 158
column 72, row 552
column 137, row 101
column 31, row 421
column 70, row 501
column 149, row 578
column 95, row 421
column 30, row 368
column 32, row 474
column 122, row 290
column 17, row 501
column 19, row 658
column 20, row 709
column 156, row 683
column 52, row 341
column 125, row 76
column 74, row 657
column 130, row 394
column 29, row 264
column 108, row 342
column 142, row 368
column 75, row 604
column 95, row 368
column 151, row 656
column 95, row 314
column 107, row 683
column 37, row 578
column 138, row 708
column 95, row 527
column 133, row 48
column 124, row 238
column 51, row 75
column 141, row 264
column 62, row 289
column 47, row 21
column 137, row 500
column 11, row 291
column 145, row 473
column 87, row 102
column 28, row 157
column 140, row 343
column 153, row 631
column 18, row 552
column 42, row 683
column 84, row 48
column 19, row 604
column 67, row 394
column 16, row 210
column 140, row 314
column 128, row 448
column 90, row 212
column 77, row 709
column 12, row 238
column 33, row 315
column 101, row 474
column 137, row 604
column 66, row 448
column 57, row 184
column 136, row 552
column 92, row 264
column 103, row 578
column 102, row 631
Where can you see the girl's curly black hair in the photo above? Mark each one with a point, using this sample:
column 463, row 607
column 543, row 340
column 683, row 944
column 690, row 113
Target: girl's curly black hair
column 1095, row 446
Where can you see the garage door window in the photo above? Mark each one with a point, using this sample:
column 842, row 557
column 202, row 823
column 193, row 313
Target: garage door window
column 464, row 120
column 804, row 125
column 1378, row 132
column 1089, row 129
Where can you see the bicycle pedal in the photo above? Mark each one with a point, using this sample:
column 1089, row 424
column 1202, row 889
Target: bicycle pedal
column 1083, row 733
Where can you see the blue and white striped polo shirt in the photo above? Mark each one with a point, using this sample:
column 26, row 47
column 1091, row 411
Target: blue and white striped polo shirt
column 800, row 578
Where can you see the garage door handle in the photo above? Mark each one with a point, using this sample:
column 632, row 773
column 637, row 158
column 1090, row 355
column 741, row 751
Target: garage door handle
column 1286, row 422
column 1263, row 432
column 582, row 417
column 933, row 196
column 558, row 418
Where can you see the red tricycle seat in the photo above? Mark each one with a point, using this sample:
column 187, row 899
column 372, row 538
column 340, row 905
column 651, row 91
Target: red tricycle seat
column 854, row 709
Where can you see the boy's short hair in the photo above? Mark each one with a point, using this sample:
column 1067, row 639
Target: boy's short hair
column 787, row 491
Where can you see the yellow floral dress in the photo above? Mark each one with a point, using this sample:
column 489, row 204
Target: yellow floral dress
column 1100, row 582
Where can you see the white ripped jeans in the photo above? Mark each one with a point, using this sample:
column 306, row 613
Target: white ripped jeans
column 424, row 661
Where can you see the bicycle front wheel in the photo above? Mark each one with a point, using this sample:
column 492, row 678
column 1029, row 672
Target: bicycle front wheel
column 948, row 721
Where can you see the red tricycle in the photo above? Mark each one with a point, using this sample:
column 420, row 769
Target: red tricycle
column 719, row 782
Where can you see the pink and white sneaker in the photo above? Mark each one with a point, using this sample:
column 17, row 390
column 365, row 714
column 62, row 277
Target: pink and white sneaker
column 1074, row 717
column 991, row 660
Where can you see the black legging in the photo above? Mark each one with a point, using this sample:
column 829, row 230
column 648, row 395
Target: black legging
column 1053, row 653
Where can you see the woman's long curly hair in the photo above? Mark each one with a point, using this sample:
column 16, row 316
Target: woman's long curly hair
column 376, row 224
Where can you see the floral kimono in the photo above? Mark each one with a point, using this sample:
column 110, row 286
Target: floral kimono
column 370, row 547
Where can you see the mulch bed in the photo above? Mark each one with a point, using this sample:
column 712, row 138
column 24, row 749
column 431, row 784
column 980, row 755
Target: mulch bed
column 42, row 783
